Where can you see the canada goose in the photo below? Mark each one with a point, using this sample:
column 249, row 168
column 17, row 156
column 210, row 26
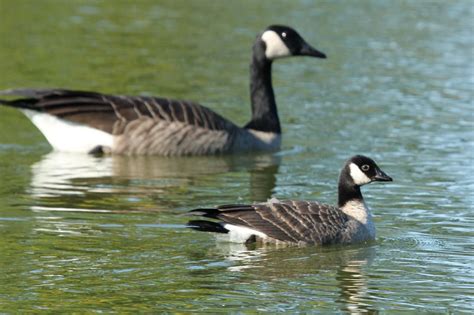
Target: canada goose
column 90, row 122
column 301, row 222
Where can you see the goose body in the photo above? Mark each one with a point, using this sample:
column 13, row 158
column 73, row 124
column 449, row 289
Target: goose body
column 92, row 122
column 301, row 222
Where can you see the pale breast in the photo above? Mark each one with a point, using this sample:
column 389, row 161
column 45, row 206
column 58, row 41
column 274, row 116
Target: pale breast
column 358, row 210
column 254, row 140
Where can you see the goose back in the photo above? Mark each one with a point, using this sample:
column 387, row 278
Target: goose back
column 139, row 124
column 301, row 222
column 111, row 113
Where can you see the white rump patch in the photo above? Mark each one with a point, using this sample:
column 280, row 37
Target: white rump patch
column 276, row 48
column 358, row 176
column 240, row 234
column 68, row 136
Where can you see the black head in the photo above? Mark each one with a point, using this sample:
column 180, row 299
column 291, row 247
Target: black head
column 363, row 170
column 283, row 41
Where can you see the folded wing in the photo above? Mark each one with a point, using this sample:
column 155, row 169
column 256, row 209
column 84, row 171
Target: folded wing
column 112, row 113
column 287, row 221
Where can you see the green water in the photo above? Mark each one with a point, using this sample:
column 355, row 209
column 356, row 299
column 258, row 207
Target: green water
column 86, row 234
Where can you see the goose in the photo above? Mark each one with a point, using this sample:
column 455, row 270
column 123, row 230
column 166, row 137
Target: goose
column 91, row 122
column 301, row 222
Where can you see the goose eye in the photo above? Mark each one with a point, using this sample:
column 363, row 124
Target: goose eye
column 283, row 34
column 365, row 167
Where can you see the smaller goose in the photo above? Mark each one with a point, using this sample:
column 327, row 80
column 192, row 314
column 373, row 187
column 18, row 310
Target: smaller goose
column 302, row 222
column 92, row 122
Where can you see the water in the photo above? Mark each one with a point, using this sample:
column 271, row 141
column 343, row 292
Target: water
column 84, row 233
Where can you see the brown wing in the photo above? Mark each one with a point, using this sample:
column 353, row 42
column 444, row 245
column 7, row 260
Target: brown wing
column 103, row 111
column 288, row 221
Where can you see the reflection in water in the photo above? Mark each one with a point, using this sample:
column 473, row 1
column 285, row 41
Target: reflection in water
column 353, row 285
column 65, row 183
column 65, row 175
column 54, row 174
column 345, row 265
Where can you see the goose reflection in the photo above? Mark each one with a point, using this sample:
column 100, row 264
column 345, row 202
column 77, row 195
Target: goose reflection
column 345, row 265
column 75, row 178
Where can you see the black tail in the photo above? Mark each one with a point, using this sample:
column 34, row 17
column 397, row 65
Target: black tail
column 205, row 212
column 207, row 226
column 40, row 93
column 26, row 103
column 31, row 97
column 215, row 212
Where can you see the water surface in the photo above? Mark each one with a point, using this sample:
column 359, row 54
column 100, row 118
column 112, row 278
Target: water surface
column 107, row 234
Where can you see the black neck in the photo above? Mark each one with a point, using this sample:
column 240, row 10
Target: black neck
column 264, row 110
column 347, row 189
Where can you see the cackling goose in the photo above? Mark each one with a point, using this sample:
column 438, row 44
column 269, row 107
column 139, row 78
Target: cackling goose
column 301, row 222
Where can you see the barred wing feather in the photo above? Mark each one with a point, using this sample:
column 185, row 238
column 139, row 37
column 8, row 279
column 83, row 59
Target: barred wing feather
column 287, row 221
column 105, row 112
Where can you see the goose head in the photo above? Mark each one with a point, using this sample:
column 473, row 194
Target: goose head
column 282, row 41
column 361, row 170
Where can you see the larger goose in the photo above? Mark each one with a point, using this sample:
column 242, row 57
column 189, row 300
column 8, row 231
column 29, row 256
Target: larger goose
column 90, row 122
column 302, row 222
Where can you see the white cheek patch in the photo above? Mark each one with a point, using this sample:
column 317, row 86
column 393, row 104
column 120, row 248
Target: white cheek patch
column 276, row 48
column 358, row 176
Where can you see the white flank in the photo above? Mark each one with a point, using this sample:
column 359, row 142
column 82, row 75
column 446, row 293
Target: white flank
column 359, row 211
column 276, row 48
column 68, row 136
column 358, row 176
column 240, row 234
